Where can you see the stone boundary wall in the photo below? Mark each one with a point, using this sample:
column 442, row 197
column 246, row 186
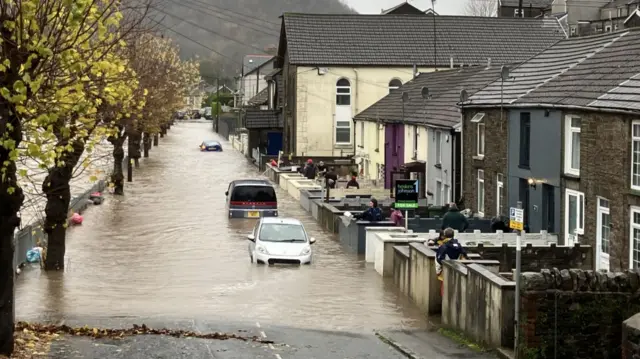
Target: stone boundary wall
column 574, row 313
column 534, row 258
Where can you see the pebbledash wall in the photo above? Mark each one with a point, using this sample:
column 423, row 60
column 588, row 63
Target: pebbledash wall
column 579, row 314
column 32, row 234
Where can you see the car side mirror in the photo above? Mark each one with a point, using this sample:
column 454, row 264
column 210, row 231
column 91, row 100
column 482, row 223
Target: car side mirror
column 226, row 193
column 312, row 240
column 251, row 237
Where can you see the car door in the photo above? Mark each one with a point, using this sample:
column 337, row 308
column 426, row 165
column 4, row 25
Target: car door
column 228, row 194
column 252, row 244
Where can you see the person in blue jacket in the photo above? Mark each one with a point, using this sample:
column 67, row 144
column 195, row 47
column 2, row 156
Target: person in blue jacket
column 449, row 249
column 372, row 214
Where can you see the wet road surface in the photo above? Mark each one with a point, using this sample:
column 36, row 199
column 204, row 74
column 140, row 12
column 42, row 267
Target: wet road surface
column 168, row 250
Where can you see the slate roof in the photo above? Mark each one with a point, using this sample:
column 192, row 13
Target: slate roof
column 538, row 4
column 598, row 72
column 260, row 99
column 402, row 8
column 444, row 88
column 609, row 79
column 252, row 62
column 258, row 119
column 541, row 68
column 405, row 40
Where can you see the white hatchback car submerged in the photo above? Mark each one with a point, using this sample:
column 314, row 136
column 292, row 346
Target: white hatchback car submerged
column 280, row 240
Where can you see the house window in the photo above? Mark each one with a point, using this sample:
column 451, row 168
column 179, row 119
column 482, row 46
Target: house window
column 635, row 155
column 634, row 238
column 525, row 139
column 446, row 196
column 574, row 216
column 394, row 84
column 272, row 94
column 518, row 13
column 362, row 134
column 438, row 143
column 499, row 193
column 477, row 119
column 572, row 146
column 481, row 193
column 343, row 92
column 378, row 129
column 615, row 27
column 343, row 111
column 607, row 28
column 619, row 12
column 438, row 193
column 415, row 142
column 573, row 30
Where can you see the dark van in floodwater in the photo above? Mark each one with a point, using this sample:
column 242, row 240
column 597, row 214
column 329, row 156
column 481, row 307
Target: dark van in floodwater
column 251, row 199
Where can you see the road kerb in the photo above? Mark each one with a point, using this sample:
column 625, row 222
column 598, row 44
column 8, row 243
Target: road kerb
column 405, row 351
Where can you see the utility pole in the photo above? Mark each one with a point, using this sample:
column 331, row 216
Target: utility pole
column 520, row 13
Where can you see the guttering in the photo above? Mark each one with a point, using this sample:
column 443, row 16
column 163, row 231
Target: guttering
column 409, row 123
column 557, row 107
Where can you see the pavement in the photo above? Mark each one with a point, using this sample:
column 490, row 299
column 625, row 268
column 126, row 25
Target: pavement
column 275, row 342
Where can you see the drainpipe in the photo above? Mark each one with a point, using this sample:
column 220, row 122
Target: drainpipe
column 355, row 102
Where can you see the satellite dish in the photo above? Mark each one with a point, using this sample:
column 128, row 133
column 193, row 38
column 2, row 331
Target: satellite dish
column 424, row 92
column 464, row 96
column 504, row 72
column 405, row 96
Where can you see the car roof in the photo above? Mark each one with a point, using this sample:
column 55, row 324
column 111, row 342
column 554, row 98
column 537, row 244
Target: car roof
column 251, row 182
column 211, row 141
column 281, row 220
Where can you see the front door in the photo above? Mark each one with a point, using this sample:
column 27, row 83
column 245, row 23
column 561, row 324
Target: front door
column 574, row 221
column 602, row 235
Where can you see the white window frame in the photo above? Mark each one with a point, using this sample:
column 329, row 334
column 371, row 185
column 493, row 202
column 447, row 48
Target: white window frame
column 568, row 145
column 499, row 186
column 573, row 30
column 446, row 193
column 480, row 184
column 579, row 210
column 600, row 210
column 635, row 139
column 336, row 121
column 439, row 182
column 438, row 142
column 480, row 145
column 517, row 13
column 607, row 28
column 632, row 226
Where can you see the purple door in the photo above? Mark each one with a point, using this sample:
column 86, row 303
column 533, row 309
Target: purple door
column 393, row 150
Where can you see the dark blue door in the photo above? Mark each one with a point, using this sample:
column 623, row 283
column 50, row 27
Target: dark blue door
column 274, row 143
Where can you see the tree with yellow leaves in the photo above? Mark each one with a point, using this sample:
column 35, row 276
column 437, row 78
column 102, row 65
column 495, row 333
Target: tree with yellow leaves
column 60, row 70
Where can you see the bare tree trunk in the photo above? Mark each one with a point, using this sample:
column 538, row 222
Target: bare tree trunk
column 117, row 177
column 146, row 144
column 57, row 188
column 11, row 199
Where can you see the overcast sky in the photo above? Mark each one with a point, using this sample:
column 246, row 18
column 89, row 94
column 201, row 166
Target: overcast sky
column 443, row 7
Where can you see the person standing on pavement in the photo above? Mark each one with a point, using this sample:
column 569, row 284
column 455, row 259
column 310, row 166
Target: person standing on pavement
column 454, row 219
column 321, row 167
column 353, row 183
column 331, row 177
column 310, row 170
column 396, row 216
column 449, row 249
column 372, row 214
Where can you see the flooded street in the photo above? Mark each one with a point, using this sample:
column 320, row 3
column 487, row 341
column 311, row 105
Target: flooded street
column 168, row 249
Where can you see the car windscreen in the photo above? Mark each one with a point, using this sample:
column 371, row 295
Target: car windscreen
column 211, row 144
column 253, row 194
column 282, row 232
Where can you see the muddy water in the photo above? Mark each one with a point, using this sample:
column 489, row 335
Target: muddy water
column 168, row 249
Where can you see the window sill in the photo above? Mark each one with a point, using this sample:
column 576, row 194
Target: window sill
column 524, row 167
column 343, row 145
column 360, row 146
column 571, row 175
column 438, row 165
column 479, row 158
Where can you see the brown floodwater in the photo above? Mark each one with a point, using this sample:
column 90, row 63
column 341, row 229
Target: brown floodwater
column 167, row 248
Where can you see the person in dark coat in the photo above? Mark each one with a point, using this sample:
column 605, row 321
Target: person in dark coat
column 373, row 214
column 321, row 167
column 331, row 177
column 451, row 249
column 353, row 183
column 310, row 170
column 454, row 219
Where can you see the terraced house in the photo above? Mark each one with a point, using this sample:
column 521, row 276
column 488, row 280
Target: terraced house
column 430, row 120
column 561, row 134
column 335, row 66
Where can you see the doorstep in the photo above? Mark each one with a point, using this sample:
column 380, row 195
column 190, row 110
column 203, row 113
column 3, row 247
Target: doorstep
column 425, row 344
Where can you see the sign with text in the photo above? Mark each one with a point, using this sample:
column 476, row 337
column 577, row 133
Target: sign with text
column 406, row 193
column 516, row 218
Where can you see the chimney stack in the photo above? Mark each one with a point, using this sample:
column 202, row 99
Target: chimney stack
column 451, row 61
column 415, row 71
column 488, row 62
